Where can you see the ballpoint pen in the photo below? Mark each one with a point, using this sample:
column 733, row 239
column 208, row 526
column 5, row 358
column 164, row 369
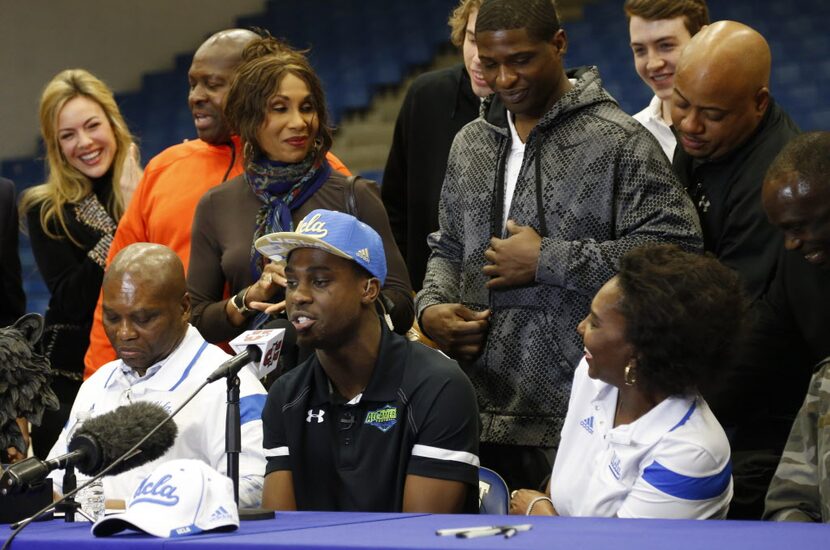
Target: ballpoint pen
column 481, row 533
column 484, row 531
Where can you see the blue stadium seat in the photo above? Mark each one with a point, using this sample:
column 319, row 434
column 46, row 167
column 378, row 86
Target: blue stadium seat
column 133, row 110
column 25, row 172
column 493, row 495
column 817, row 120
column 786, row 75
column 37, row 295
column 374, row 175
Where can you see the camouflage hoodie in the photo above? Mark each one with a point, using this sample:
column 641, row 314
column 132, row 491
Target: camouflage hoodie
column 594, row 183
column 800, row 489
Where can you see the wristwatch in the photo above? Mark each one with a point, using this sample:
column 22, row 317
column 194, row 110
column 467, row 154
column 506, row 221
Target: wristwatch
column 238, row 302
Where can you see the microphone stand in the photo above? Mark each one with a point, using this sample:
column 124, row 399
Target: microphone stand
column 233, row 436
column 69, row 505
column 233, row 433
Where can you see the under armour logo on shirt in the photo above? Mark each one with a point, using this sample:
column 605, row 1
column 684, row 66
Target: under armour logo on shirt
column 699, row 195
column 316, row 416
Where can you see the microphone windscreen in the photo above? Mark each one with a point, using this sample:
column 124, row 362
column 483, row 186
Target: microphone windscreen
column 115, row 432
column 289, row 339
column 288, row 353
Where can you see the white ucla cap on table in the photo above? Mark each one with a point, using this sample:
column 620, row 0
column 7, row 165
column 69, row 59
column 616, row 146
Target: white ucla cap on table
column 181, row 497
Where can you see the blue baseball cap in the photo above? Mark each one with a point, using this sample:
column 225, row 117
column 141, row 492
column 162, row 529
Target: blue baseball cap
column 336, row 233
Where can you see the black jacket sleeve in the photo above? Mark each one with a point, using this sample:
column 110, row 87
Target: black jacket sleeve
column 71, row 274
column 12, row 298
column 394, row 189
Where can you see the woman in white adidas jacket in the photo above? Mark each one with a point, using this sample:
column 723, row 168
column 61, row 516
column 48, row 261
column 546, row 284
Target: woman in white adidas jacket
column 638, row 439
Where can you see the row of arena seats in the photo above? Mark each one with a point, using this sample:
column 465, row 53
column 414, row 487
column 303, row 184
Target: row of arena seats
column 361, row 46
column 357, row 47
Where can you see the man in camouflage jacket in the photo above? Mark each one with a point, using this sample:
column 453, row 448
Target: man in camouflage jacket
column 800, row 490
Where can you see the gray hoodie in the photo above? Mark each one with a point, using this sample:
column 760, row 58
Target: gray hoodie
column 605, row 188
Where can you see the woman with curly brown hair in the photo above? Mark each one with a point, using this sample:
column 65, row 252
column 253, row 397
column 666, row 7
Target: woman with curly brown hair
column 639, row 440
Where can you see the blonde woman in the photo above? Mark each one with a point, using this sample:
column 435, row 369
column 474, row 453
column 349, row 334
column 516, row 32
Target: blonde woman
column 71, row 219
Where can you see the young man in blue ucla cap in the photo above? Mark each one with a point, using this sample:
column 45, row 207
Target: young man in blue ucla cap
column 371, row 421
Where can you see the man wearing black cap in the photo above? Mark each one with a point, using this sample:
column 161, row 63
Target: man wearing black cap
column 370, row 422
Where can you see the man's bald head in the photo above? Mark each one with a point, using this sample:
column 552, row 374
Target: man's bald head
column 721, row 89
column 152, row 264
column 729, row 49
column 229, row 39
column 210, row 76
column 145, row 304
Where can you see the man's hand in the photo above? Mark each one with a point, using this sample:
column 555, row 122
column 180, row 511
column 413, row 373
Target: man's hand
column 15, row 454
column 115, row 504
column 459, row 331
column 513, row 261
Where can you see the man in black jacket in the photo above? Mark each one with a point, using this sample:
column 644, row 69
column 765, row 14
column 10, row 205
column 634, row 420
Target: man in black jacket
column 436, row 107
column 728, row 130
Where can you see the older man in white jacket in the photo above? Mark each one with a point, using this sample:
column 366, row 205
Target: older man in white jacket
column 162, row 359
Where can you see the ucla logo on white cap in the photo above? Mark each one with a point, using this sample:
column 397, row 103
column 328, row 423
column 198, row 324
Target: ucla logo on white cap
column 160, row 491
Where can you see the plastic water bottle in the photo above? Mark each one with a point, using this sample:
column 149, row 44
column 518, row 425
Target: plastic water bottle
column 90, row 498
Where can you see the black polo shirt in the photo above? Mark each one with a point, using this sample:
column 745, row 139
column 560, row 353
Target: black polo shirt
column 418, row 415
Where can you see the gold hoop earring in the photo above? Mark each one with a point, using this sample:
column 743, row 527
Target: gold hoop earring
column 630, row 374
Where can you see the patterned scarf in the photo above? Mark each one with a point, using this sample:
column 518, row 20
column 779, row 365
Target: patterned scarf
column 281, row 187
